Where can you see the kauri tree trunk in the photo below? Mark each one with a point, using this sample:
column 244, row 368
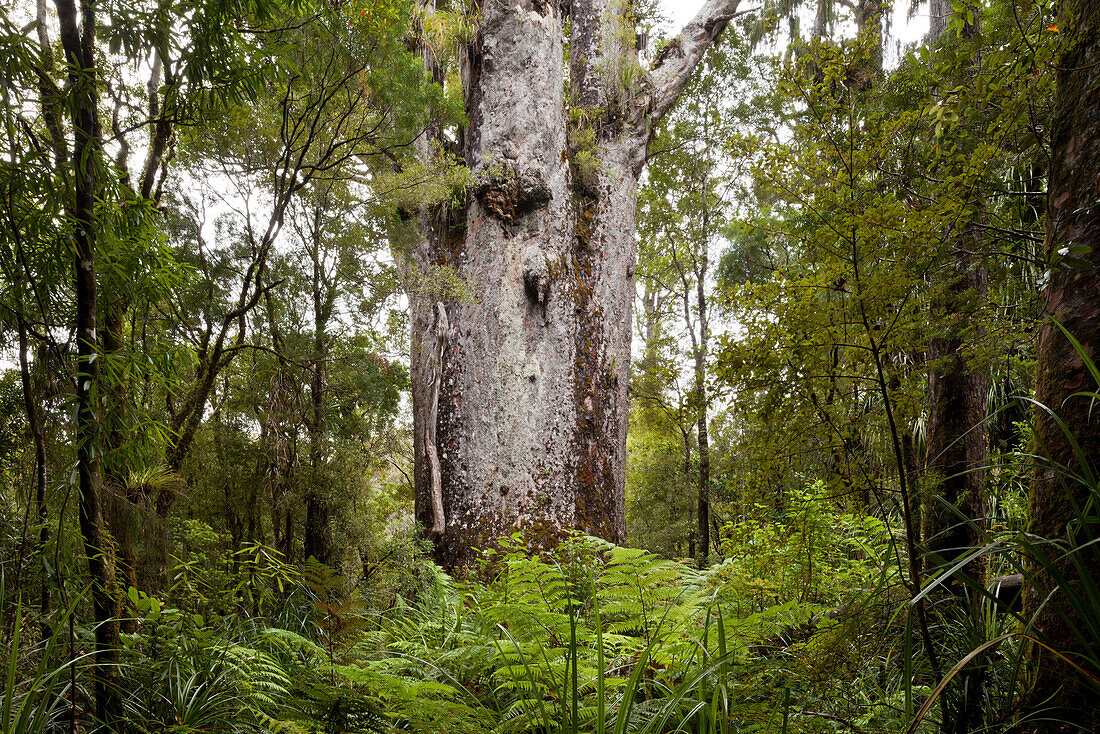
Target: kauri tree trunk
column 520, row 391
column 1072, row 298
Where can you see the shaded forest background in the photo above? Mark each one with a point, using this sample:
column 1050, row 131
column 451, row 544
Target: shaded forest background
column 851, row 503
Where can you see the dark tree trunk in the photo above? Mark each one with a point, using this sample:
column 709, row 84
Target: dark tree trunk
column 954, row 509
column 78, row 40
column 703, row 487
column 693, row 528
column 958, row 434
column 520, row 393
column 912, row 473
column 701, row 399
column 1072, row 298
column 699, row 328
column 318, row 530
column 288, row 535
column 957, row 443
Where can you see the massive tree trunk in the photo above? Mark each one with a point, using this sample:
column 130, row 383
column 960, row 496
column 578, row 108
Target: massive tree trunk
column 1071, row 298
column 520, row 391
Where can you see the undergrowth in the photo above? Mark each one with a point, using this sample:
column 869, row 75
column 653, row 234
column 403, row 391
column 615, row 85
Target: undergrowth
column 793, row 632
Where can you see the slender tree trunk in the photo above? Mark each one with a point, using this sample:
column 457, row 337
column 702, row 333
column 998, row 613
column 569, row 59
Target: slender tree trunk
column 693, row 529
column 288, row 534
column 957, row 443
column 701, row 404
column 702, row 267
column 958, row 435
column 703, row 512
column 868, row 17
column 53, row 99
column 53, row 103
column 78, row 39
column 120, row 510
column 34, row 421
column 1072, row 298
column 530, row 415
column 318, row 530
column 912, row 470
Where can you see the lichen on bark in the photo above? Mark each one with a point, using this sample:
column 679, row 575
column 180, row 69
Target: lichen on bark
column 530, row 420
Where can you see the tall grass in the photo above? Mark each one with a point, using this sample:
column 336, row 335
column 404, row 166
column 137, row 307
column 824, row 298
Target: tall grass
column 37, row 676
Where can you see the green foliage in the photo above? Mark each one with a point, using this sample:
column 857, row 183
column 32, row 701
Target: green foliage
column 36, row 676
column 249, row 284
column 811, row 552
column 601, row 638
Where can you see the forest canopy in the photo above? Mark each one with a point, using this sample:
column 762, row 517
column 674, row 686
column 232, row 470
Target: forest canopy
column 444, row 365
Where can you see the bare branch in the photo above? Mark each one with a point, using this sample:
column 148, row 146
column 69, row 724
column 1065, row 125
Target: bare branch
column 678, row 59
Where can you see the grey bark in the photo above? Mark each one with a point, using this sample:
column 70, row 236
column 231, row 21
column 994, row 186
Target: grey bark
column 939, row 14
column 531, row 416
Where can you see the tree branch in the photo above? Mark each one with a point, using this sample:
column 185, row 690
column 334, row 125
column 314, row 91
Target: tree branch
column 676, row 61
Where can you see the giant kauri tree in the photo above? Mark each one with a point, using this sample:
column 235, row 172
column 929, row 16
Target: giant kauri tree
column 520, row 389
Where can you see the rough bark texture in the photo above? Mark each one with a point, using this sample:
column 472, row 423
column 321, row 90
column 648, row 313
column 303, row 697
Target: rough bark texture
column 1072, row 298
column 957, row 435
column 939, row 15
column 530, row 426
column 868, row 16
